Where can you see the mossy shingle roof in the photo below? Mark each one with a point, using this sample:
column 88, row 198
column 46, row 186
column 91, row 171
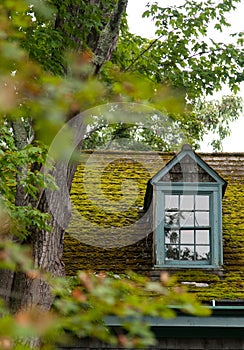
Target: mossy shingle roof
column 108, row 231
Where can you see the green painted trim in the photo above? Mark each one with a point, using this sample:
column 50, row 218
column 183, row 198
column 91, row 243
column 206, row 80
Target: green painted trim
column 190, row 186
column 225, row 321
column 214, row 191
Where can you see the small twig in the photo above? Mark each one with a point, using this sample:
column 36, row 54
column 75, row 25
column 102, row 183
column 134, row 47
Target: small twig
column 198, row 54
column 145, row 50
column 89, row 133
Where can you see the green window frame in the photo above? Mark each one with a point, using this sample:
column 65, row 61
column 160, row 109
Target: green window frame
column 189, row 229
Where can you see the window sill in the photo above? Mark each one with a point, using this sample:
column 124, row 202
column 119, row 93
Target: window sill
column 157, row 269
column 188, row 266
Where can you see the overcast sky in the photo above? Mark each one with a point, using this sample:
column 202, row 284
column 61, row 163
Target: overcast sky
column 145, row 27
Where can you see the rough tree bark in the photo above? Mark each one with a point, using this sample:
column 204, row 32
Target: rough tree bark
column 20, row 290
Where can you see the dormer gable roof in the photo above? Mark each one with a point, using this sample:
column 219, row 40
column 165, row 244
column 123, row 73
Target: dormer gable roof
column 187, row 166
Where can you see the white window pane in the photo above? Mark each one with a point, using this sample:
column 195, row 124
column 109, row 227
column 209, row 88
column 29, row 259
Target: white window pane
column 186, row 202
column 187, row 237
column 186, row 219
column 202, row 203
column 202, row 218
column 171, row 201
column 202, row 252
column 202, row 236
column 187, row 253
column 171, row 236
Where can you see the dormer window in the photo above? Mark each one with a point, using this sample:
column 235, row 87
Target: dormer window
column 187, row 213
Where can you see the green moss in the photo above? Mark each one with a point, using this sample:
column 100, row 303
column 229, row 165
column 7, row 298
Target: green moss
column 109, row 194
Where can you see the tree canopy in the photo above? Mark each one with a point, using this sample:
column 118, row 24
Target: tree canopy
column 174, row 72
column 184, row 57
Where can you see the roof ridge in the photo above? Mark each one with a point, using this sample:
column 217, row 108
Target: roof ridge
column 160, row 152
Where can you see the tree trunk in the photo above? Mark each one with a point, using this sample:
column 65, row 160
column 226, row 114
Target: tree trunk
column 47, row 247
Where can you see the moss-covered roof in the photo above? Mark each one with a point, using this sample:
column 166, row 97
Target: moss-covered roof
column 109, row 232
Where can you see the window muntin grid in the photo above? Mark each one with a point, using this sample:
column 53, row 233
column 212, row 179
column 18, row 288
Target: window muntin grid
column 187, row 227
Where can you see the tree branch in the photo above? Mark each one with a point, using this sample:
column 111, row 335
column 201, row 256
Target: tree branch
column 97, row 128
column 108, row 36
column 145, row 50
column 199, row 54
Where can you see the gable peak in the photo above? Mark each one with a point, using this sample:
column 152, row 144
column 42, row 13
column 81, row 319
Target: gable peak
column 186, row 147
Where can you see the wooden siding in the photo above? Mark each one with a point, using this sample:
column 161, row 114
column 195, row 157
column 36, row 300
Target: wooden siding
column 173, row 343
